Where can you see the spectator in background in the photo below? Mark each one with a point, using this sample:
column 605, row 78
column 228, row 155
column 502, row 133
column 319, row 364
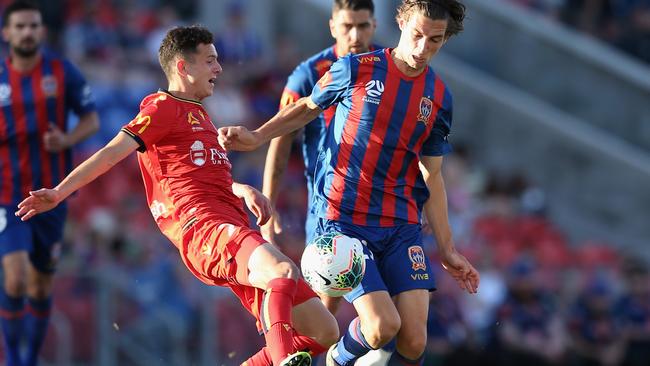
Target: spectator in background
column 37, row 92
column 528, row 330
column 236, row 43
column 597, row 339
column 633, row 313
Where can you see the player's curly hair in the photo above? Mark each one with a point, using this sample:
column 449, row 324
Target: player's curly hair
column 451, row 10
column 182, row 41
column 353, row 5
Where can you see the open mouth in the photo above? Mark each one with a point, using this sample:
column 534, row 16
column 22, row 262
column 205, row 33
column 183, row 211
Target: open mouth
column 212, row 81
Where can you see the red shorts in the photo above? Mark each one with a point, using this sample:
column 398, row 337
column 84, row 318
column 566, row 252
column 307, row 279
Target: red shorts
column 217, row 253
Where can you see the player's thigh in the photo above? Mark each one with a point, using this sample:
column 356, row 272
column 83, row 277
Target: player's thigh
column 413, row 307
column 14, row 267
column 377, row 313
column 312, row 319
column 264, row 263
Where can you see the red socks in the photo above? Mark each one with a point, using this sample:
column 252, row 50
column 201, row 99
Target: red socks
column 276, row 318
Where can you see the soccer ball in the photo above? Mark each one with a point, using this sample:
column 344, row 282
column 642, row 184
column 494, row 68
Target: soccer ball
column 333, row 264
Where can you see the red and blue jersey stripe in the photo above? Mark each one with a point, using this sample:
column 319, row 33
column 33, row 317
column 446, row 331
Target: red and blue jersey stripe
column 29, row 102
column 367, row 172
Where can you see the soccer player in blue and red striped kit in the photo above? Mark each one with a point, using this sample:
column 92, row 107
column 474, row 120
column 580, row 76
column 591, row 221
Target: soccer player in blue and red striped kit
column 353, row 26
column 37, row 92
column 378, row 171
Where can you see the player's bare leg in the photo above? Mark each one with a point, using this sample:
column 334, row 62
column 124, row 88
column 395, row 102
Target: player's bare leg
column 313, row 320
column 271, row 270
column 378, row 322
column 412, row 336
column 331, row 303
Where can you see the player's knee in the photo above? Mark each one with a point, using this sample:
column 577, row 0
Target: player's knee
column 413, row 347
column 329, row 333
column 15, row 286
column 380, row 332
column 285, row 269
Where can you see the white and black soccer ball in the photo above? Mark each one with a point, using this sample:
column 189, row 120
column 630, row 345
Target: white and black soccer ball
column 333, row 264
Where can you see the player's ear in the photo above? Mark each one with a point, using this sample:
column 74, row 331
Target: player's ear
column 332, row 28
column 5, row 33
column 180, row 67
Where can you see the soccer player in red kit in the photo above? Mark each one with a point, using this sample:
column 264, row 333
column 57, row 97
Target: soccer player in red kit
column 197, row 205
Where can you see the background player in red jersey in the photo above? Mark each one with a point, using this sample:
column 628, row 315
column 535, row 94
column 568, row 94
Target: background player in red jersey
column 379, row 170
column 352, row 25
column 37, row 91
column 197, row 206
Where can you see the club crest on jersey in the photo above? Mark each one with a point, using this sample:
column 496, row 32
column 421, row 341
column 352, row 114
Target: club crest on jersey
column 323, row 65
column 5, row 95
column 416, row 255
column 198, row 153
column 426, row 106
column 48, row 85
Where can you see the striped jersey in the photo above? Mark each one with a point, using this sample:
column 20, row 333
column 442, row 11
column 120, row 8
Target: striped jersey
column 300, row 84
column 186, row 173
column 29, row 102
column 367, row 172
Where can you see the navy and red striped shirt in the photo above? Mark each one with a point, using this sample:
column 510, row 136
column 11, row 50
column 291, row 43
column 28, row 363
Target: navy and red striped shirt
column 368, row 172
column 28, row 103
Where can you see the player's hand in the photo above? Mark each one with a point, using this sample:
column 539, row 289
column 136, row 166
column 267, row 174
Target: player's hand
column 272, row 228
column 38, row 202
column 258, row 204
column 461, row 270
column 55, row 140
column 238, row 138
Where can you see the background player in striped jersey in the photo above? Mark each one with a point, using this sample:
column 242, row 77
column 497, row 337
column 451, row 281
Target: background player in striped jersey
column 352, row 25
column 380, row 168
column 197, row 205
column 37, row 91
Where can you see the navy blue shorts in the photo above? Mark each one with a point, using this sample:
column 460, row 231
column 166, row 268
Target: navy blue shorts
column 40, row 236
column 395, row 258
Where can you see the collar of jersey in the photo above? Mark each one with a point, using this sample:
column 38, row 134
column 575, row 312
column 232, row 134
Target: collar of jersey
column 179, row 98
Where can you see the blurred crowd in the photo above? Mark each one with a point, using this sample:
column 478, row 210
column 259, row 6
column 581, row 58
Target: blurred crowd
column 623, row 23
column 543, row 300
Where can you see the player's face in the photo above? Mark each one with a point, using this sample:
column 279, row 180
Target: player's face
column 203, row 70
column 353, row 30
column 421, row 39
column 24, row 32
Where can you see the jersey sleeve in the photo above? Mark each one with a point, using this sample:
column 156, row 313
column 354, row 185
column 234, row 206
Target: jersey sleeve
column 154, row 122
column 79, row 97
column 437, row 144
column 299, row 84
column 332, row 87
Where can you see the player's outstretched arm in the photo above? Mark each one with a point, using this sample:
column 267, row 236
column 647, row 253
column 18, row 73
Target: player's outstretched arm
column 259, row 205
column 435, row 210
column 288, row 119
column 103, row 160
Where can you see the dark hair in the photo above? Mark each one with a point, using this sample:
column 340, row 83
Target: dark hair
column 182, row 41
column 17, row 6
column 353, row 5
column 451, row 10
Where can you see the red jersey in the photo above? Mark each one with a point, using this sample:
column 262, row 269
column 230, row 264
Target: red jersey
column 186, row 172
